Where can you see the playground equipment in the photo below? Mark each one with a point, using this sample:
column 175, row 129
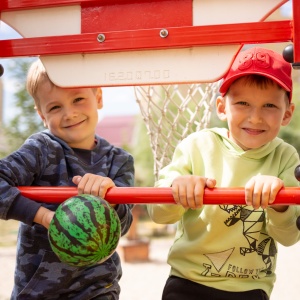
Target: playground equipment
column 142, row 43
column 144, row 195
column 127, row 42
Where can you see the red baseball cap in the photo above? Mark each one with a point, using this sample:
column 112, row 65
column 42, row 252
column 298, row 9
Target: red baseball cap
column 263, row 62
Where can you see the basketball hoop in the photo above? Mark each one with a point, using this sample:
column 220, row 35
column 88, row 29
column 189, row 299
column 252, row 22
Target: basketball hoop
column 172, row 112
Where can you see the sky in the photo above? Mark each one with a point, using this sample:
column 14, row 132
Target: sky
column 117, row 100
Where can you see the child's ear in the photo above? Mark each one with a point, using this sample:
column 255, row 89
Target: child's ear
column 42, row 117
column 221, row 110
column 288, row 114
column 99, row 98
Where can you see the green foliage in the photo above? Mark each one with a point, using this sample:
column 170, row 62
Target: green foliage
column 143, row 157
column 290, row 133
column 25, row 121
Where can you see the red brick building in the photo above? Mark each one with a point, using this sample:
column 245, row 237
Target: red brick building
column 118, row 130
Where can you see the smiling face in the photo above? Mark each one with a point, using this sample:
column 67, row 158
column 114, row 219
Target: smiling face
column 70, row 114
column 254, row 112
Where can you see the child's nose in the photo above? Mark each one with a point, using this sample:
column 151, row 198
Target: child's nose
column 70, row 113
column 255, row 116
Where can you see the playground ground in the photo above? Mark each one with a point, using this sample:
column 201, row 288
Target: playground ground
column 145, row 280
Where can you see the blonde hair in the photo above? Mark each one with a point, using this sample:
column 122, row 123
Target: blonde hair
column 36, row 76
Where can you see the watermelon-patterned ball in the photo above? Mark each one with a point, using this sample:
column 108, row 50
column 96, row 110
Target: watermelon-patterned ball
column 84, row 230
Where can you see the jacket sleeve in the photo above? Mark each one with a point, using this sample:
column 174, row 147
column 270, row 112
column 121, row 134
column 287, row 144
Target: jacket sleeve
column 282, row 226
column 19, row 169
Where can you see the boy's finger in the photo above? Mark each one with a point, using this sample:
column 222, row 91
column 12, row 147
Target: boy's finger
column 265, row 198
column 76, row 179
column 175, row 193
column 210, row 183
column 276, row 187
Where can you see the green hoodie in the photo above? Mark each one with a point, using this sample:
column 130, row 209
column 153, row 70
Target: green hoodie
column 228, row 247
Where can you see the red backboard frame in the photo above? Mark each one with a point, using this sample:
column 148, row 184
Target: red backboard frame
column 180, row 33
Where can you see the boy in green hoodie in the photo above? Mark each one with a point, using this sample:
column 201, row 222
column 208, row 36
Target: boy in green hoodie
column 227, row 252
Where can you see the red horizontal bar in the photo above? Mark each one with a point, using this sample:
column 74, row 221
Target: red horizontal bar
column 148, row 195
column 178, row 37
column 29, row 4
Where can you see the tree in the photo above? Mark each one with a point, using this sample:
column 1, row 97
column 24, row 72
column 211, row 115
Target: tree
column 143, row 157
column 25, row 121
column 290, row 133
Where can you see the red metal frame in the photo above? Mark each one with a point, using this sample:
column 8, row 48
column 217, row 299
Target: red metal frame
column 245, row 33
column 6, row 5
column 131, row 38
column 296, row 31
column 147, row 195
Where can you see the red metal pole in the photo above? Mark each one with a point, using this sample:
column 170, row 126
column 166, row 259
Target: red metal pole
column 296, row 31
column 148, row 195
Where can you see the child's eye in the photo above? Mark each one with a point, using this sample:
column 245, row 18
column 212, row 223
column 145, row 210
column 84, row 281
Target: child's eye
column 242, row 103
column 78, row 99
column 270, row 105
column 54, row 107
